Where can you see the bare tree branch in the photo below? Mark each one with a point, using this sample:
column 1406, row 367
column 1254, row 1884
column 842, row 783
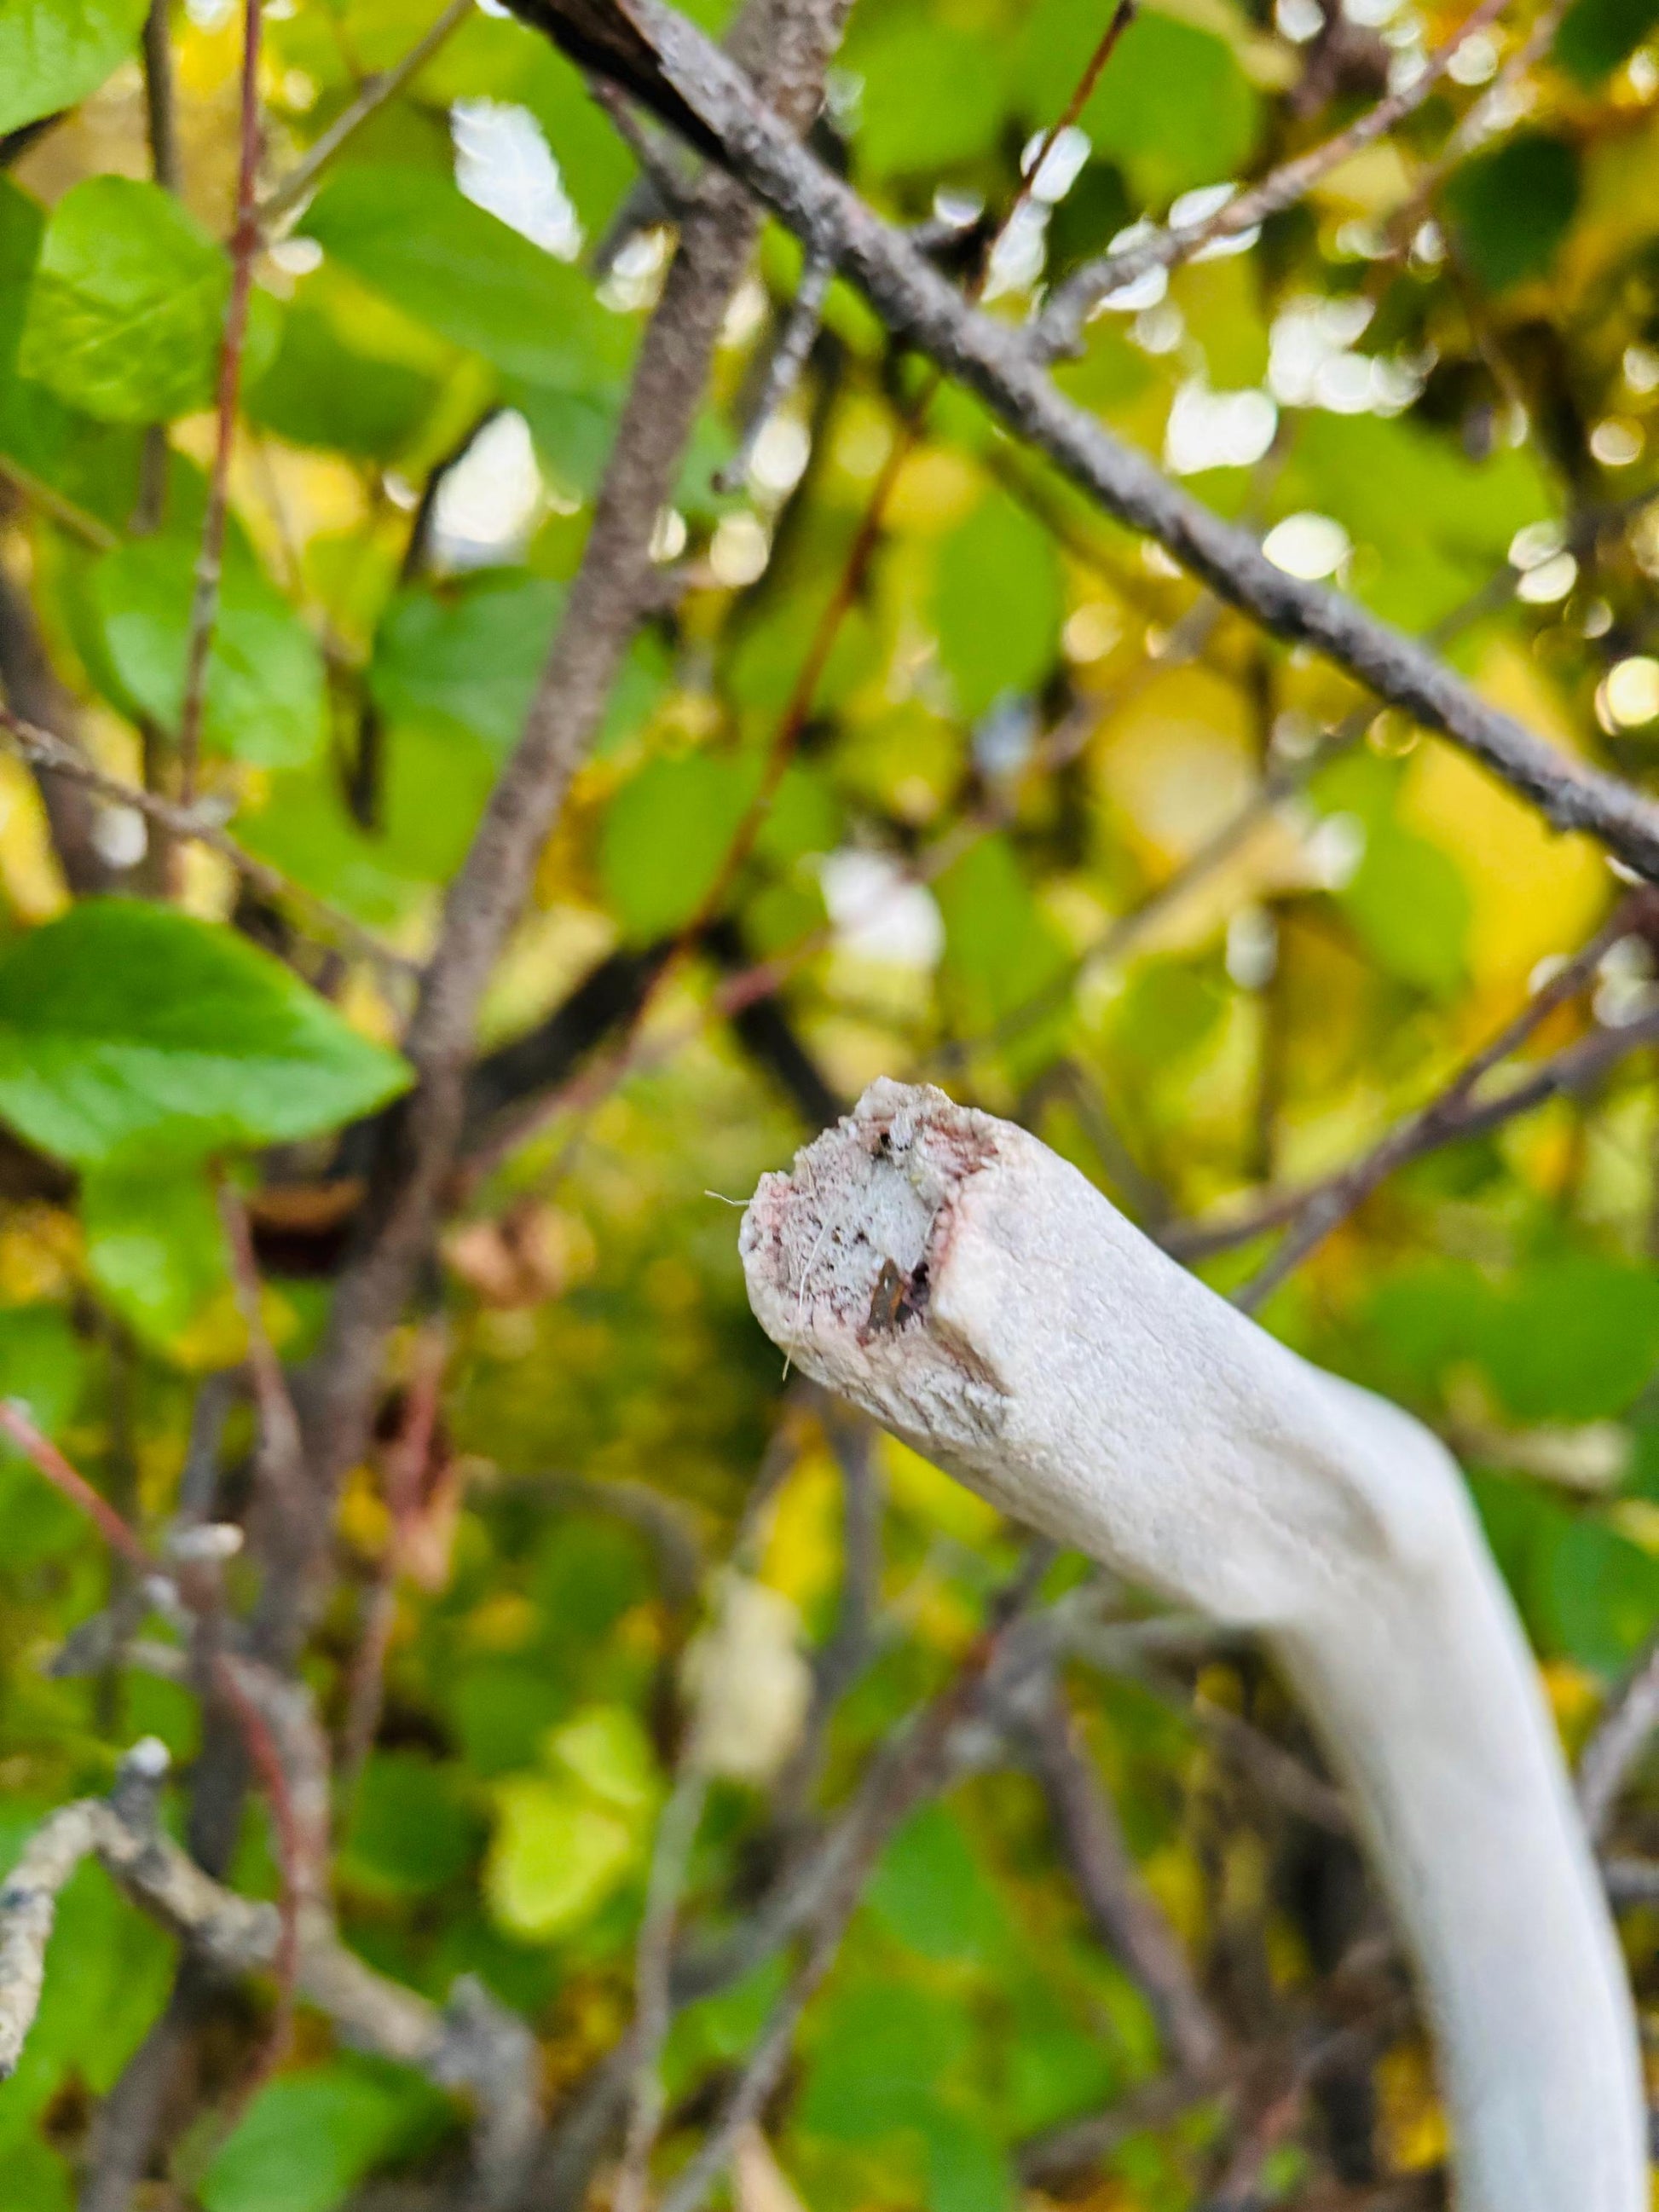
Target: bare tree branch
column 471, row 2045
column 677, row 1831
column 33, row 691
column 998, row 363
column 910, row 1771
column 1122, row 1909
column 1059, row 328
column 56, row 757
column 1458, row 1110
column 789, row 41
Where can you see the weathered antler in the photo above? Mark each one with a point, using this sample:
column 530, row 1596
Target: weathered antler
column 966, row 1287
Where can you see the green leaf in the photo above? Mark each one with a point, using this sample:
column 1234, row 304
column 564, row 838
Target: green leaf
column 967, row 2169
column 1596, row 35
column 466, row 657
column 999, row 950
column 1169, row 1009
column 1429, row 524
column 23, row 226
column 881, row 2053
column 411, row 234
column 610, row 1754
column 304, row 2143
column 1603, row 1595
column 410, row 1831
column 573, row 431
column 53, row 53
column 997, row 603
column 717, row 2030
column 1510, row 209
column 1569, row 1338
column 501, row 1711
column 1574, row 1340
column 933, row 1894
column 92, row 465
column 1174, row 107
column 264, row 701
column 128, row 306
column 665, row 836
column 305, row 831
column 321, row 391
column 1055, row 2065
column 124, row 1022
column 156, row 1243
column 898, row 134
column 1408, row 901
column 558, row 1852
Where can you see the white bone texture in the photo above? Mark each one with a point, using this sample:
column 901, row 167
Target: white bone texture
column 951, row 1275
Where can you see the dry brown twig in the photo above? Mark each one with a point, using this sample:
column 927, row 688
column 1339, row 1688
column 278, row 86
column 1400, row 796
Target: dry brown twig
column 405, row 1466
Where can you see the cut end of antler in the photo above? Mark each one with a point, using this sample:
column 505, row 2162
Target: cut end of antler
column 848, row 1258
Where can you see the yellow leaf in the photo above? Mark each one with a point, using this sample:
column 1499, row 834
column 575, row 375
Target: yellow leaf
column 1533, row 892
column 608, row 1752
column 801, row 1556
column 933, row 1497
column 557, row 1855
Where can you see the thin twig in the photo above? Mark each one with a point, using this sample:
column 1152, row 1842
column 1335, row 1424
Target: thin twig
column 1477, row 124
column 908, row 1772
column 159, row 104
column 29, row 1906
column 1571, row 1072
column 1313, row 1212
column 238, row 1936
column 406, row 1462
column 44, row 1456
column 260, row 1740
column 677, row 1831
column 385, row 85
column 228, row 1675
column 783, row 371
column 1621, row 1738
column 918, row 304
column 1124, row 1911
column 281, row 1458
column 243, row 245
column 200, row 825
column 1060, row 326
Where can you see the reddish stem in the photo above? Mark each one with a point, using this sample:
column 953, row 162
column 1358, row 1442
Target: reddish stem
column 290, row 1862
column 48, row 1461
column 405, row 1465
column 245, row 240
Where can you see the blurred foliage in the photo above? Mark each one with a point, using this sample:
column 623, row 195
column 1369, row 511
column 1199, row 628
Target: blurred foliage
column 1435, row 381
